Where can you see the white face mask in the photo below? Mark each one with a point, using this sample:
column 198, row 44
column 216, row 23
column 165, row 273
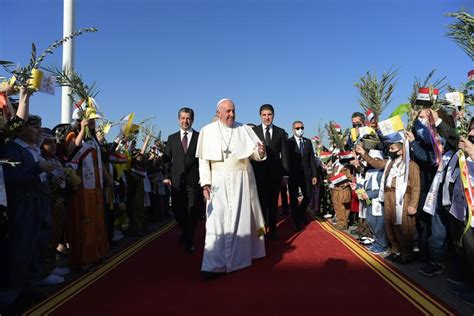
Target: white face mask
column 424, row 121
column 299, row 132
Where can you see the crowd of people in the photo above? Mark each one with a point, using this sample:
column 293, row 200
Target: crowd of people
column 68, row 192
column 409, row 193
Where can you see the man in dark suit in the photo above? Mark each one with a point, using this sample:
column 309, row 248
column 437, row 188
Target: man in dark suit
column 303, row 173
column 182, row 175
column 273, row 172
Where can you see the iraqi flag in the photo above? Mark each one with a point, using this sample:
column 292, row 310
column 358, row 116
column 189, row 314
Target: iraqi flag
column 338, row 179
column 370, row 115
column 425, row 96
column 346, row 155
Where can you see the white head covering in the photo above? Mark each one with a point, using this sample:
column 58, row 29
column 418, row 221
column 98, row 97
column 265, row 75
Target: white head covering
column 222, row 100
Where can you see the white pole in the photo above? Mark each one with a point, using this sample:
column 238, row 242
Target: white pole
column 68, row 58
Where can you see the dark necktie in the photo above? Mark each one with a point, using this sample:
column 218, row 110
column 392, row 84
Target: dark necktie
column 184, row 142
column 301, row 146
column 267, row 136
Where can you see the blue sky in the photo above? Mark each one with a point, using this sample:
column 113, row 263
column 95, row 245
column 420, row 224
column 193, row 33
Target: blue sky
column 153, row 57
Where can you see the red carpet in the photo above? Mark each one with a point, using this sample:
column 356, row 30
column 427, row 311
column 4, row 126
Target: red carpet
column 309, row 273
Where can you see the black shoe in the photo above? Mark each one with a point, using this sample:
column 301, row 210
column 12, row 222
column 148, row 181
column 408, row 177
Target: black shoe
column 393, row 257
column 405, row 259
column 431, row 269
column 467, row 297
column 207, row 276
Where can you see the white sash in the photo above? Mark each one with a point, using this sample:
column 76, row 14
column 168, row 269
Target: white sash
column 400, row 187
column 451, row 175
column 432, row 197
column 371, row 176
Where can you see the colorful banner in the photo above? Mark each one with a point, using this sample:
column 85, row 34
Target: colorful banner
column 435, row 141
column 468, row 190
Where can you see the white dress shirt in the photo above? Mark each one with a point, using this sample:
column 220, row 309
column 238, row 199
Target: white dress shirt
column 190, row 134
column 264, row 127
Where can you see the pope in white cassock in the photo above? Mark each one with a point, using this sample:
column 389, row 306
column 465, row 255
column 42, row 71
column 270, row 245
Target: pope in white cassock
column 234, row 226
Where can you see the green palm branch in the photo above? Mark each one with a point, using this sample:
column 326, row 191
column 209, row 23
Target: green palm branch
column 23, row 74
column 462, row 32
column 376, row 94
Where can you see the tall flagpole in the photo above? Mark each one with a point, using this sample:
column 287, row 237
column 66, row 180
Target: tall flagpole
column 68, row 58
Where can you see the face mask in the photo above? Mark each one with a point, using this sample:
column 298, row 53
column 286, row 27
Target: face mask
column 299, row 132
column 471, row 138
column 393, row 155
column 356, row 125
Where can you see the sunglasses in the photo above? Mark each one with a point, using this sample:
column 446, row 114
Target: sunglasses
column 298, row 128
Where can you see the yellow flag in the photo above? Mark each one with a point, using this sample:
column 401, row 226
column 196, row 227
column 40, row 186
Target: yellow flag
column 354, row 134
column 106, row 128
column 36, row 79
column 391, row 125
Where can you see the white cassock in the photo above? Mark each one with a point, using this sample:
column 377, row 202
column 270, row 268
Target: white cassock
column 234, row 226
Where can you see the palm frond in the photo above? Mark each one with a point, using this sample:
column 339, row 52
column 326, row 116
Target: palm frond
column 337, row 139
column 462, row 32
column 60, row 42
column 375, row 94
column 69, row 78
column 23, row 74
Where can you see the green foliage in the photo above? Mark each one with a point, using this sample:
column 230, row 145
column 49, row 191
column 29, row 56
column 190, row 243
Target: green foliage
column 69, row 78
column 401, row 110
column 23, row 74
column 462, row 32
column 376, row 94
column 337, row 139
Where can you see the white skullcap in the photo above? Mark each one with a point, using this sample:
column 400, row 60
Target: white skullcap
column 223, row 100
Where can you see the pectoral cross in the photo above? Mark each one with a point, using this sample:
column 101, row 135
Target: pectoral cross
column 227, row 152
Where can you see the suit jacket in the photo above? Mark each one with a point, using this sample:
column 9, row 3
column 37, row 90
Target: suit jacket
column 277, row 163
column 181, row 168
column 302, row 163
